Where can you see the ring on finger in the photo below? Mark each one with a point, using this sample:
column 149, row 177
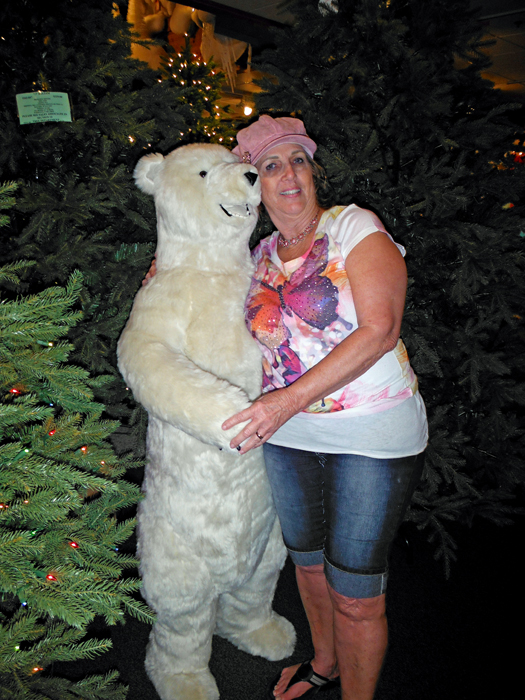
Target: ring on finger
column 259, row 436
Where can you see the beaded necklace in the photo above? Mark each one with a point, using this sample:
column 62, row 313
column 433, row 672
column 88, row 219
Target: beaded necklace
column 293, row 241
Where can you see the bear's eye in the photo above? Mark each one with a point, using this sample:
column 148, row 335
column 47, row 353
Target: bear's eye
column 203, row 173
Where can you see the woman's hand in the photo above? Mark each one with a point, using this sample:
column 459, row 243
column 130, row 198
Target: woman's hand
column 265, row 416
column 151, row 272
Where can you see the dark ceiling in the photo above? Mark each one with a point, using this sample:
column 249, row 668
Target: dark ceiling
column 502, row 20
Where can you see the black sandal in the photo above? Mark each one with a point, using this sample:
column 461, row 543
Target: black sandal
column 306, row 674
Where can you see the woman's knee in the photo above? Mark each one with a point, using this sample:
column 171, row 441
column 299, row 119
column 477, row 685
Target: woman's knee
column 358, row 609
column 311, row 569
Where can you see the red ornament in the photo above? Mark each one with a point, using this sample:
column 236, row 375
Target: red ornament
column 52, row 432
column 84, row 449
column 73, row 544
column 50, row 577
column 14, row 391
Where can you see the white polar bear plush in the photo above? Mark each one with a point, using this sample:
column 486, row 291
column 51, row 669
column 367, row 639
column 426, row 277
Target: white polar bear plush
column 209, row 541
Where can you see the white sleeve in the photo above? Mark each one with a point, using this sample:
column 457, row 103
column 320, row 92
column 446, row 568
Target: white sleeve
column 353, row 225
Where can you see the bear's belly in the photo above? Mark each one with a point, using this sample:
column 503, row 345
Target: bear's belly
column 219, row 504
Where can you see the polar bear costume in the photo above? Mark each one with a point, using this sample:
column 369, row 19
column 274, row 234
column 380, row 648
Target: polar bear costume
column 209, row 541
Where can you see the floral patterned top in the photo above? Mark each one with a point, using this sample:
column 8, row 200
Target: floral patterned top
column 300, row 310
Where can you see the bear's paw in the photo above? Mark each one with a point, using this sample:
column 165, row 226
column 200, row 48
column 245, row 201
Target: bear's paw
column 275, row 640
column 199, row 685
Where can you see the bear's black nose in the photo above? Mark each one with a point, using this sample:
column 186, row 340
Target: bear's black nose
column 252, row 178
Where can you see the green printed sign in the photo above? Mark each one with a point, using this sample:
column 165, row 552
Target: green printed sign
column 35, row 107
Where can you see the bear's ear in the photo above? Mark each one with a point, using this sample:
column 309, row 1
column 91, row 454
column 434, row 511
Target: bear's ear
column 147, row 172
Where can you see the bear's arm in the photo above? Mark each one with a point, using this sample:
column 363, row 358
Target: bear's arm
column 174, row 389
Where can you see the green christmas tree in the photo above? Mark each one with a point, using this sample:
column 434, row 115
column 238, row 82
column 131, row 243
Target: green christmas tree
column 61, row 489
column 392, row 93
column 77, row 207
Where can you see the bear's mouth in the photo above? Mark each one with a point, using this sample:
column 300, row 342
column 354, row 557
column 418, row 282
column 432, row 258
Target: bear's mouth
column 238, row 210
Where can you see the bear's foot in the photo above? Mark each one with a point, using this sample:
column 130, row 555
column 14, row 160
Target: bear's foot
column 199, row 685
column 275, row 640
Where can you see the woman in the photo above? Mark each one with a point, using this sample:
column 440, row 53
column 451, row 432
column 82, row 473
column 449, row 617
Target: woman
column 342, row 423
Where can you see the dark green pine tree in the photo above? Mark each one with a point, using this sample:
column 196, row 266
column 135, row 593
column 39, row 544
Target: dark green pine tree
column 392, row 93
column 61, row 489
column 77, row 207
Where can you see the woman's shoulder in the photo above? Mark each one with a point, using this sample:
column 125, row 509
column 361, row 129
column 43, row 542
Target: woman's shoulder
column 352, row 217
column 349, row 225
column 265, row 246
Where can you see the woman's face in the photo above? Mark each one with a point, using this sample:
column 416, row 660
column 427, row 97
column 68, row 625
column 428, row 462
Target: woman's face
column 287, row 182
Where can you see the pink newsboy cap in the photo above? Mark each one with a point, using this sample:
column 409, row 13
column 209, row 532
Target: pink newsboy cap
column 267, row 132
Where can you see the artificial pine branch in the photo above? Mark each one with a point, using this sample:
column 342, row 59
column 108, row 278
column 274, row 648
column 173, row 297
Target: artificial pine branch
column 61, row 489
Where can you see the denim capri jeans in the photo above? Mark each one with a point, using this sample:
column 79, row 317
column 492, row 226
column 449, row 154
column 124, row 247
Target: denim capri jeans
column 343, row 511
